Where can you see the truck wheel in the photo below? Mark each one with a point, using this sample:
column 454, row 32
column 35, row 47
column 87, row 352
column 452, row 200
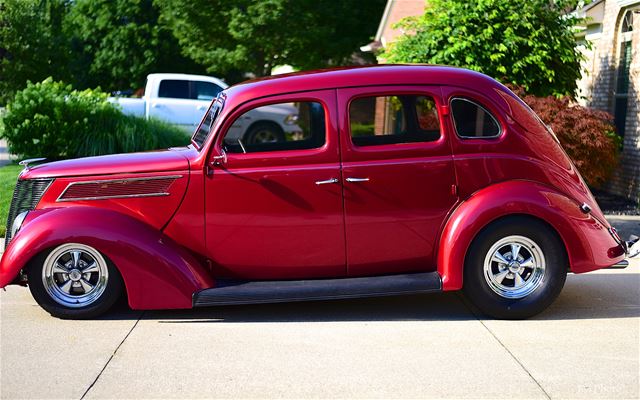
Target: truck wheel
column 74, row 281
column 515, row 268
column 264, row 132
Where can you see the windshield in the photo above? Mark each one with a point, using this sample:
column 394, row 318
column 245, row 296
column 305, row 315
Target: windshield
column 204, row 129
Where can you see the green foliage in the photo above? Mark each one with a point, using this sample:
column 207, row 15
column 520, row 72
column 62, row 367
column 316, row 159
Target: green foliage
column 51, row 120
column 8, row 178
column 527, row 43
column 256, row 35
column 116, row 43
column 32, row 45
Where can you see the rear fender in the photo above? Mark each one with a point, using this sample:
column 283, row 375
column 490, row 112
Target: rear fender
column 156, row 271
column 588, row 243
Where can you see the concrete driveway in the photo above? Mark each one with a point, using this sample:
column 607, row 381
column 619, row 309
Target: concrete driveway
column 587, row 345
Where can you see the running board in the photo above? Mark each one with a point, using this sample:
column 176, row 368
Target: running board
column 253, row 292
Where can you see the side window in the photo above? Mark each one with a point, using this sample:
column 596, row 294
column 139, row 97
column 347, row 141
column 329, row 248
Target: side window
column 277, row 127
column 204, row 90
column 393, row 119
column 174, row 89
column 471, row 120
column 201, row 135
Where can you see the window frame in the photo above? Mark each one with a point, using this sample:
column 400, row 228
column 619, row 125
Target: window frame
column 385, row 94
column 249, row 109
column 326, row 97
column 432, row 91
column 485, row 109
column 216, row 105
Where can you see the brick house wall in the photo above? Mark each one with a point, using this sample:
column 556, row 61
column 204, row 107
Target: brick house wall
column 599, row 84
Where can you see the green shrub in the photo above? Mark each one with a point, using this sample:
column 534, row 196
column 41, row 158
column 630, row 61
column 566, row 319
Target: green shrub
column 50, row 119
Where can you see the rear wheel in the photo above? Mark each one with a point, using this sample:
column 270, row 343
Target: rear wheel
column 515, row 268
column 74, row 281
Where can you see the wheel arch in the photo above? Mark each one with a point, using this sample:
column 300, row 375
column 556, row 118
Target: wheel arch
column 587, row 243
column 157, row 272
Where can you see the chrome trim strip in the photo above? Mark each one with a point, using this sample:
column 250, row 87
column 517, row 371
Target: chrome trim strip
column 124, row 196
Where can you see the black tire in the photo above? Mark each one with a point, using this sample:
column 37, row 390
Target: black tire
column 476, row 282
column 111, row 293
column 264, row 132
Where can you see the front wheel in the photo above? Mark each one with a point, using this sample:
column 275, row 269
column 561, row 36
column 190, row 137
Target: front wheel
column 515, row 268
column 74, row 281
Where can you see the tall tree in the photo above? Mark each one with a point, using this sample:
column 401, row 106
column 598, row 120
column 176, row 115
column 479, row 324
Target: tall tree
column 32, row 44
column 527, row 43
column 257, row 35
column 116, row 43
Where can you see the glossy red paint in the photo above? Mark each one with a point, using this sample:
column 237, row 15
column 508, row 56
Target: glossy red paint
column 261, row 216
column 588, row 243
column 176, row 159
column 393, row 220
column 269, row 202
column 154, row 211
column 157, row 272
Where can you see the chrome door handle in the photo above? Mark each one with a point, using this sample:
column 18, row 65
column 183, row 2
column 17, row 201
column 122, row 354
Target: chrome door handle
column 332, row 180
column 357, row 179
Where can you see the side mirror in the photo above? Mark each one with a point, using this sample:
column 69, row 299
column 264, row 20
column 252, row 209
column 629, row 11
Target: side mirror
column 216, row 161
column 220, row 160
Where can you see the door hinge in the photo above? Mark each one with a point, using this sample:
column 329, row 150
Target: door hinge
column 454, row 190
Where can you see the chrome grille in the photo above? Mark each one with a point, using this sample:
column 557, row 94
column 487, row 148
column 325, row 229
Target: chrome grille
column 26, row 196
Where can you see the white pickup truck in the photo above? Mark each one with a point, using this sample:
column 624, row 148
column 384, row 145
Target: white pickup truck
column 182, row 100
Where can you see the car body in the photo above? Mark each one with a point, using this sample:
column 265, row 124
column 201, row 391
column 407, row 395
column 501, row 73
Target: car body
column 406, row 179
column 182, row 99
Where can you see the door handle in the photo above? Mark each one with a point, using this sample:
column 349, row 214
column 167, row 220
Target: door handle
column 357, row 179
column 332, row 180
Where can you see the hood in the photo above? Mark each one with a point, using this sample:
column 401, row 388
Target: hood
column 152, row 161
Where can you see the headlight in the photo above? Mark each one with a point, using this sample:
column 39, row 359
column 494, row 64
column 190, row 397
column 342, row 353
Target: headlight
column 17, row 223
column 291, row 119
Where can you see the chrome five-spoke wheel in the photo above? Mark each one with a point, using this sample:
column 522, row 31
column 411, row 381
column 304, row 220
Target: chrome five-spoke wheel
column 514, row 267
column 74, row 281
column 75, row 275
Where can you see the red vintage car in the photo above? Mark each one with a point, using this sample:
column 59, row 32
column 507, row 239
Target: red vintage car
column 392, row 180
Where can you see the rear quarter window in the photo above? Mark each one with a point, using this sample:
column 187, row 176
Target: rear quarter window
column 471, row 120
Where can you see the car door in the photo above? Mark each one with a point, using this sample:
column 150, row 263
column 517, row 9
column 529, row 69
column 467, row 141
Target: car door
column 399, row 180
column 274, row 209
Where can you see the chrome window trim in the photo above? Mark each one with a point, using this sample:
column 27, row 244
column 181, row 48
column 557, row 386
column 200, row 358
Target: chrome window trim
column 500, row 131
column 124, row 196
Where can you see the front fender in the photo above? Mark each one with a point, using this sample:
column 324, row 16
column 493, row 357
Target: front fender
column 156, row 271
column 589, row 244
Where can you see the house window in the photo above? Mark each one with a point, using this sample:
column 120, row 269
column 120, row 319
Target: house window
column 623, row 76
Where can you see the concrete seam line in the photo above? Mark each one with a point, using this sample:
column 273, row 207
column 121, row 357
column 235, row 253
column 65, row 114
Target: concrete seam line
column 112, row 355
column 462, row 299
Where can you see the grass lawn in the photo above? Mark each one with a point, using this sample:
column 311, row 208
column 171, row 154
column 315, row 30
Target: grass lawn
column 8, row 176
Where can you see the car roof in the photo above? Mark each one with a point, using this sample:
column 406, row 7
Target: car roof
column 373, row 75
